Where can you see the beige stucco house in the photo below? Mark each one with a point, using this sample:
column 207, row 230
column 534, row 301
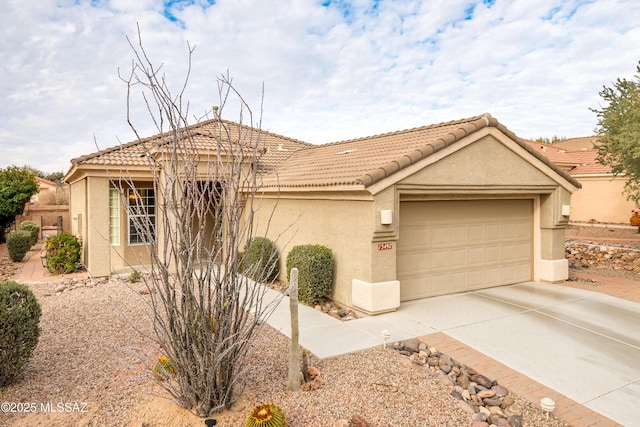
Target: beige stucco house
column 428, row 211
column 602, row 197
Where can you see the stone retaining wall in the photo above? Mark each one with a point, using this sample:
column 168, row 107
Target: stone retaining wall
column 593, row 255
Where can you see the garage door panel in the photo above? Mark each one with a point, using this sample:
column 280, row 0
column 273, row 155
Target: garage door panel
column 458, row 235
column 440, row 260
column 454, row 246
column 475, row 256
column 439, row 236
column 524, row 252
column 508, row 254
column 491, row 233
column 492, row 254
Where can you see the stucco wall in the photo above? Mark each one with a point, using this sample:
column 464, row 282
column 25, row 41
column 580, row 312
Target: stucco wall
column 487, row 163
column 78, row 213
column 97, row 235
column 601, row 199
column 345, row 226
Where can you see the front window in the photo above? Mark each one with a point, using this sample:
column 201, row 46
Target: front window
column 114, row 216
column 142, row 215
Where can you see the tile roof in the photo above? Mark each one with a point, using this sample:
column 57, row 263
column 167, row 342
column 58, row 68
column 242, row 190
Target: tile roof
column 276, row 147
column 581, row 161
column 365, row 161
column 361, row 161
column 576, row 144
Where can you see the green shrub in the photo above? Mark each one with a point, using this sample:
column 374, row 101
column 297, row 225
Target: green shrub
column 20, row 318
column 18, row 244
column 315, row 272
column 135, row 276
column 263, row 260
column 32, row 228
column 63, row 253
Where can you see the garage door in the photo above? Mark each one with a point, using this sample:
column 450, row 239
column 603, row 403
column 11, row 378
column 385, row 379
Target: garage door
column 455, row 246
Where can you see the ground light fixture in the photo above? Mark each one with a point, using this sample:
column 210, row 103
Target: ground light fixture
column 385, row 336
column 548, row 405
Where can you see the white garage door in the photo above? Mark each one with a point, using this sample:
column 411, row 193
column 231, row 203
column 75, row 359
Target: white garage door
column 455, row 246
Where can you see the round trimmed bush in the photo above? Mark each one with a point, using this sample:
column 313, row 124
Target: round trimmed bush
column 263, row 260
column 32, row 228
column 63, row 253
column 315, row 272
column 20, row 319
column 18, row 244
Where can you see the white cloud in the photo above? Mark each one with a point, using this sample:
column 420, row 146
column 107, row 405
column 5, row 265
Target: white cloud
column 348, row 69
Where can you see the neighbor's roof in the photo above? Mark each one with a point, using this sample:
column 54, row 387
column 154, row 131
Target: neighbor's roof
column 365, row 161
column 577, row 144
column 276, row 147
column 581, row 161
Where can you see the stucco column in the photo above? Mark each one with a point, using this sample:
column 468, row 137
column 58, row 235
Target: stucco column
column 98, row 261
column 552, row 264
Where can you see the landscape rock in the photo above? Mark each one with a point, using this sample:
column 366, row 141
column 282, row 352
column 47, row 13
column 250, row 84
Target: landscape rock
column 482, row 380
column 359, row 421
column 492, row 402
column 466, row 407
column 591, row 255
column 500, row 391
column 481, row 397
column 412, row 345
column 515, row 421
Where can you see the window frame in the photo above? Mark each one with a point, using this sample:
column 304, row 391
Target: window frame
column 134, row 195
column 114, row 217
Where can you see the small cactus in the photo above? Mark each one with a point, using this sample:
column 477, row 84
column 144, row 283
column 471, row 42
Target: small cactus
column 266, row 415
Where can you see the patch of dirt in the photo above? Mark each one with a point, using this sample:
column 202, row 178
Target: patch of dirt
column 8, row 268
column 604, row 234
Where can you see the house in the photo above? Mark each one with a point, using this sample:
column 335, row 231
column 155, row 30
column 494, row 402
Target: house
column 602, row 197
column 100, row 219
column 45, row 187
column 411, row 214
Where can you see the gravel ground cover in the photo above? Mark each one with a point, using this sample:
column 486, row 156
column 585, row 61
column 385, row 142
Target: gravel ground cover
column 86, row 359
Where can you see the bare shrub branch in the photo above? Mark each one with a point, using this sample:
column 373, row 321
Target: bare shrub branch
column 195, row 217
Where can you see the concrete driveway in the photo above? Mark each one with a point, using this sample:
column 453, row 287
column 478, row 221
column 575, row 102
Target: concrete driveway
column 584, row 345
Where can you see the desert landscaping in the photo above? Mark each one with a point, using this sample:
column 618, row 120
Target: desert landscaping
column 93, row 357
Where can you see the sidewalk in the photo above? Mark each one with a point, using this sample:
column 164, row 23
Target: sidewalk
column 34, row 272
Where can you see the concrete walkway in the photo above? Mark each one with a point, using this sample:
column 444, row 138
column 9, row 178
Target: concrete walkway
column 575, row 343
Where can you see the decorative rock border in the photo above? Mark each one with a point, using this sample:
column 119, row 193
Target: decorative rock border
column 483, row 399
column 593, row 255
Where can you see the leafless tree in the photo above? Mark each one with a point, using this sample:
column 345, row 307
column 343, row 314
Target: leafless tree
column 206, row 311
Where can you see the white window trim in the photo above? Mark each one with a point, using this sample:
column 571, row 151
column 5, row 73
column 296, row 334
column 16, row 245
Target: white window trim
column 129, row 214
column 114, row 220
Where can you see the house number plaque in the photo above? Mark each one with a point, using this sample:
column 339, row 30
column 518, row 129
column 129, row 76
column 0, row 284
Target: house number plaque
column 385, row 246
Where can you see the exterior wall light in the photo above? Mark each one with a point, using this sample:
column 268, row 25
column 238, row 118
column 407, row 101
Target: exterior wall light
column 386, row 217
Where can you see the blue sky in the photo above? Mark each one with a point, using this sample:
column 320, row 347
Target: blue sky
column 331, row 69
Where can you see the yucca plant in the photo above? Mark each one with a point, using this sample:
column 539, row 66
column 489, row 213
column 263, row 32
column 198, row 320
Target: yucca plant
column 266, row 415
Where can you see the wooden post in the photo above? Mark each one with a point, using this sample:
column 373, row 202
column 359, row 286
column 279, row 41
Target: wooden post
column 294, row 355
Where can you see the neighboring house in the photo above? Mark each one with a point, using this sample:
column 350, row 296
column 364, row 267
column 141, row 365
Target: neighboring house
column 602, row 197
column 428, row 211
column 51, row 218
column 45, row 187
